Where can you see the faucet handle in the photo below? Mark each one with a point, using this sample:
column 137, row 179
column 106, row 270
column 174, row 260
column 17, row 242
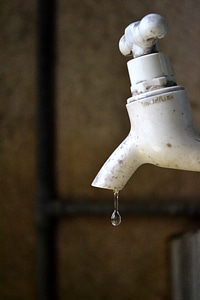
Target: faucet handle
column 140, row 38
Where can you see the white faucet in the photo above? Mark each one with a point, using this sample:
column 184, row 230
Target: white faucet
column 162, row 130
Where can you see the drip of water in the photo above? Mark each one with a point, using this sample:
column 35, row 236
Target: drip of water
column 115, row 217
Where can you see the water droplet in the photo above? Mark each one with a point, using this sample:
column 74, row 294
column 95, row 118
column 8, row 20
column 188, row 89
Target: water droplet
column 115, row 217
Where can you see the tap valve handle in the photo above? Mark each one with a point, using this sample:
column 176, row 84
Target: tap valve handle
column 140, row 38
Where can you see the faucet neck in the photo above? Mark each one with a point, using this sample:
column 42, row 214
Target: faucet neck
column 150, row 72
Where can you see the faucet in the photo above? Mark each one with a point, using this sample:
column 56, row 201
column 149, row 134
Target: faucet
column 162, row 131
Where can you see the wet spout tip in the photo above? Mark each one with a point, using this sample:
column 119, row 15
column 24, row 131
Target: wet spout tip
column 109, row 181
column 104, row 182
column 103, row 185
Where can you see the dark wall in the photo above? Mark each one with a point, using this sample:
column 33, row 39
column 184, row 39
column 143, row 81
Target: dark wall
column 97, row 261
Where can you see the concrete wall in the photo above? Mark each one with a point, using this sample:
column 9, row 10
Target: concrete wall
column 97, row 261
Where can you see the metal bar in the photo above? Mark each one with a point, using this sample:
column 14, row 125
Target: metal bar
column 46, row 183
column 60, row 208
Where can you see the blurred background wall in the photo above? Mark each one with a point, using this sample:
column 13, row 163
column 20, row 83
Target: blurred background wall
column 96, row 260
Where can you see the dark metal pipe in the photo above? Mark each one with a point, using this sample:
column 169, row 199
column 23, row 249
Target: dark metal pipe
column 60, row 208
column 46, row 183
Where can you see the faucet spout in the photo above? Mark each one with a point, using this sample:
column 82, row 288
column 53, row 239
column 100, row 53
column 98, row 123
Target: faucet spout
column 120, row 166
column 162, row 133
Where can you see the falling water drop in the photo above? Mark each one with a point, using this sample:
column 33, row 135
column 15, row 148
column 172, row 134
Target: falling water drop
column 115, row 217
